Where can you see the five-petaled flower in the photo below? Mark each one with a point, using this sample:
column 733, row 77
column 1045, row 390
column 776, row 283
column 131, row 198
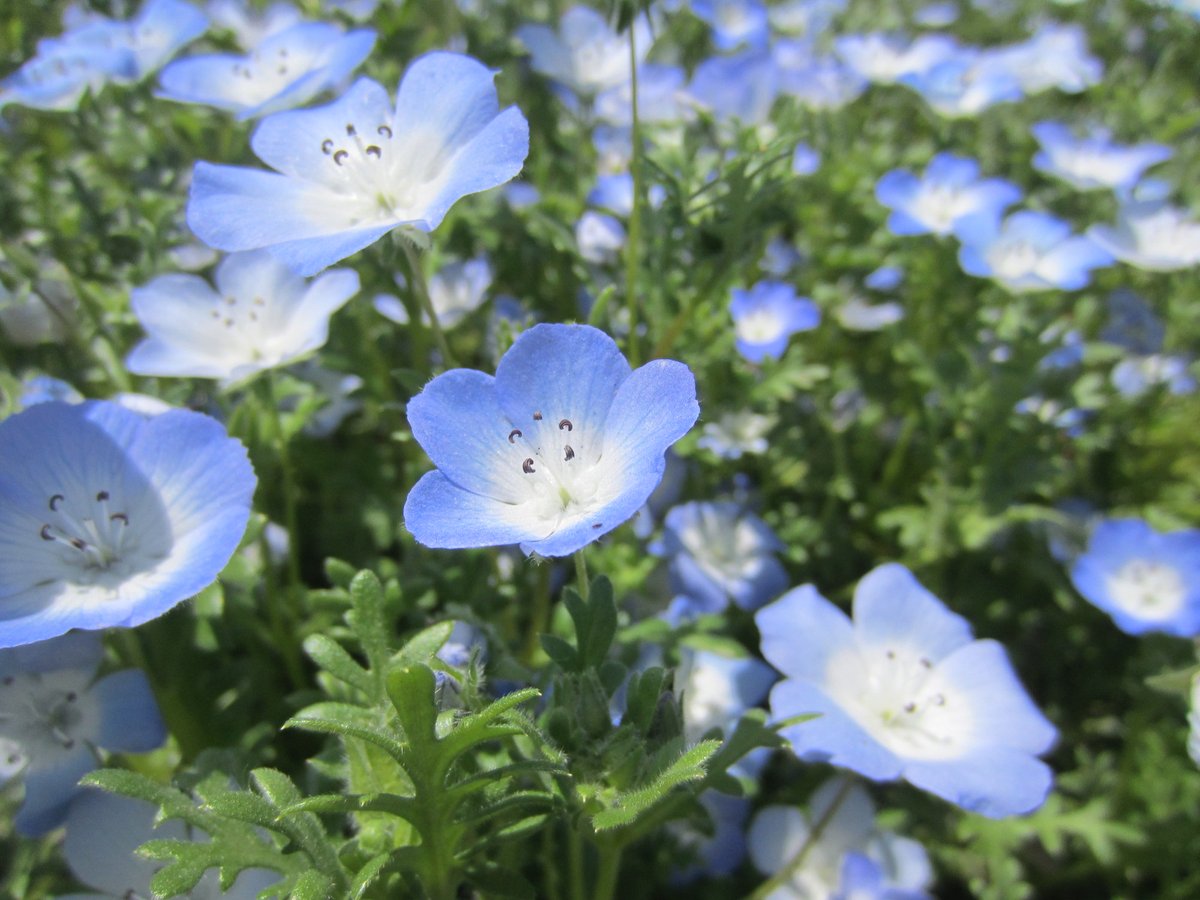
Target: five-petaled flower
column 904, row 691
column 350, row 172
column 564, row 444
column 109, row 518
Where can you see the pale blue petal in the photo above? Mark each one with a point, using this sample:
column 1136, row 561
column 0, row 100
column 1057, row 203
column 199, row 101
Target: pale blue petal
column 652, row 409
column 129, row 717
column 995, row 782
column 441, row 514
column 892, row 608
column 896, row 188
column 75, row 650
column 103, row 831
column 49, row 788
column 1070, row 263
column 801, row 633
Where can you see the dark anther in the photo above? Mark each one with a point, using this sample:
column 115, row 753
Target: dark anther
column 351, row 131
column 385, row 131
column 8, row 679
column 119, row 517
column 568, row 453
column 327, row 146
column 339, row 156
column 72, row 696
column 565, row 423
column 926, row 663
column 891, row 654
column 597, row 524
column 45, row 533
column 374, row 151
column 78, row 544
column 537, row 416
column 102, row 496
column 13, row 759
column 513, row 435
column 55, row 500
column 68, row 743
column 527, row 466
column 910, row 707
column 939, row 700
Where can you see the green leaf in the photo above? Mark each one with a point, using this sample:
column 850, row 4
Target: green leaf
column 600, row 306
column 424, row 644
column 410, row 688
column 595, row 621
column 245, row 807
column 368, row 619
column 333, row 658
column 627, row 807
column 312, row 885
column 339, row 573
column 561, row 652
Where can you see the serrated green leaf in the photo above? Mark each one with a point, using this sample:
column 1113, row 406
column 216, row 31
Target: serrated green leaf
column 312, row 885
column 320, row 719
column 244, row 807
column 172, row 801
column 333, row 658
column 367, row 618
column 626, row 807
column 424, row 644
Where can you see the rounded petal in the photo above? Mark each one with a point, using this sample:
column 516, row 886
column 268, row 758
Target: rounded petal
column 49, row 789
column 891, row 607
column 994, row 782
column 441, row 514
column 801, row 632
column 129, row 717
column 103, row 831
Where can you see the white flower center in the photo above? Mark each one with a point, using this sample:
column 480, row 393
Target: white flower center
column 759, row 326
column 938, row 205
column 1013, row 259
column 1148, row 588
column 558, row 466
column 708, row 698
column 41, row 716
column 92, row 541
column 261, row 76
column 901, row 700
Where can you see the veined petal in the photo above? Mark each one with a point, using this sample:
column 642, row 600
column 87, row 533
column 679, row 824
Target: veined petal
column 653, row 408
column 891, row 607
column 443, row 101
column 441, row 514
column 801, row 632
column 129, row 720
column 994, row 782
column 307, row 324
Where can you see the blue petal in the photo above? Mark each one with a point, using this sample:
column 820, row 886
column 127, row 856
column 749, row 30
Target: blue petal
column 49, row 790
column 833, row 736
column 896, row 188
column 1069, row 265
column 74, row 650
column 801, row 632
column 129, row 717
column 994, row 782
column 891, row 607
column 441, row 514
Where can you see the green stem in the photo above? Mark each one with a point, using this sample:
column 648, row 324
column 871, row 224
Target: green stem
column 581, row 573
column 540, row 616
column 609, row 868
column 575, row 864
column 634, row 238
column 784, row 875
column 421, row 290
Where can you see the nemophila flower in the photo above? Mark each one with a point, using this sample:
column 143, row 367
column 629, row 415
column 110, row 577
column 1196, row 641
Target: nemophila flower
column 260, row 316
column 736, row 433
column 54, row 713
column 778, row 833
column 885, row 278
column 886, row 58
column 110, row 518
column 337, row 388
column 1028, row 251
column 564, row 444
column 903, row 691
column 715, row 690
column 1093, row 160
column 1151, row 235
column 100, row 848
column 766, row 316
column 1132, row 325
column 600, row 237
column 805, row 160
column 585, row 54
column 948, row 191
column 1148, row 581
column 286, row 70
column 456, row 290
column 350, row 172
column 1136, row 375
column 1056, row 56
column 780, row 257
column 252, row 25
column 856, row 314
column 734, row 22
column 58, row 76
column 1053, row 412
column 718, row 552
column 936, row 15
column 964, row 84
column 738, row 88
column 817, row 82
column 660, row 101
column 804, row 17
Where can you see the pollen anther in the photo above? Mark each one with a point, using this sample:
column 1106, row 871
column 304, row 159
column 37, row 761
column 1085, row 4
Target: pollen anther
column 565, row 423
column 513, row 435
column 527, row 466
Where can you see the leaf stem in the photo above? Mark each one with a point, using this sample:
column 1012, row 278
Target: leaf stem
column 784, row 875
column 581, row 573
column 421, row 289
column 608, row 868
column 634, row 237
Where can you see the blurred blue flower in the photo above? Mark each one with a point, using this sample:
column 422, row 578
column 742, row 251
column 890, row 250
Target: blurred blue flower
column 904, row 691
column 887, row 58
column 585, row 54
column 739, row 88
column 110, row 518
column 766, row 316
column 1028, row 251
column 286, row 70
column 805, row 160
column 804, row 18
column 1148, row 581
column 1132, row 324
column 61, row 72
column 964, row 84
column 260, row 316
column 1093, row 161
column 456, row 290
column 778, row 834
column 54, row 714
column 1053, row 412
column 251, row 24
column 949, row 191
column 600, row 237
column 103, row 833
column 1056, row 56
column 734, row 22
column 660, row 98
column 563, row 445
column 885, row 278
column 815, row 81
column 44, row 389
column 936, row 15
column 780, row 257
column 350, row 172
column 736, row 433
column 1151, row 235
column 1136, row 375
column 717, row 553
column 856, row 314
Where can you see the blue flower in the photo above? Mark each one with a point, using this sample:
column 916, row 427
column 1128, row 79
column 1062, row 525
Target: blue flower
column 659, row 98
column 585, row 54
column 736, row 433
column 964, row 84
column 1055, row 57
column 949, row 191
column 904, row 691
column 284, row 71
column 456, row 290
column 261, row 316
column 109, row 518
column 58, row 76
column 1028, row 251
column 805, row 160
column 1151, row 235
column 718, row 552
column 734, row 22
column 1093, row 161
column 766, row 316
column 350, row 172
column 818, row 82
column 1145, row 579
column 739, row 88
column 564, row 444
column 856, row 314
column 249, row 24
column 54, row 713
column 885, row 278
column 886, row 58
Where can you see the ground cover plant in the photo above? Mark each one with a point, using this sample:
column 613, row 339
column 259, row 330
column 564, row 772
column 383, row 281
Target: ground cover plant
column 703, row 449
